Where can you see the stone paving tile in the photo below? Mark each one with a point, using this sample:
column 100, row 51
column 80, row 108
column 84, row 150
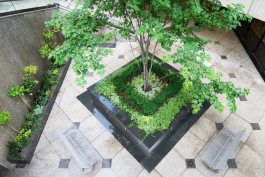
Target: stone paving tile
column 249, row 111
column 24, row 4
column 250, row 163
column 262, row 122
column 215, row 116
column 106, row 172
column 145, row 173
column 55, row 110
column 68, row 96
column 107, row 145
column 199, row 128
column 173, row 164
column 59, row 122
column 191, row 173
column 44, row 162
column 91, row 128
column 61, row 150
column 76, row 171
column 235, row 123
column 256, row 142
column 76, row 111
column 43, row 142
column 123, row 164
column 192, row 144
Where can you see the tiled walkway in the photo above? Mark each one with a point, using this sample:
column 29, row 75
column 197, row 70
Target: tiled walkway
column 52, row 159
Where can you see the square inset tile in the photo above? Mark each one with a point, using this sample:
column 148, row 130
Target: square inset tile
column 224, row 57
column 77, row 124
column 219, row 126
column 64, row 163
column 242, row 98
column 231, row 163
column 106, row 163
column 121, row 56
column 232, row 75
column 190, row 163
column 255, row 126
column 217, row 42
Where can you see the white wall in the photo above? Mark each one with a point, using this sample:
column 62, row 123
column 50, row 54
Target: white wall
column 256, row 8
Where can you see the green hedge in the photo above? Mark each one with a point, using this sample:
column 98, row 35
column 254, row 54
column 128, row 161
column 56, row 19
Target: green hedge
column 157, row 113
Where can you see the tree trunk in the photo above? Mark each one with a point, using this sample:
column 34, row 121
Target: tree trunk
column 146, row 76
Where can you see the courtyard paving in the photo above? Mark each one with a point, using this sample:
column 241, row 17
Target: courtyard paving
column 52, row 159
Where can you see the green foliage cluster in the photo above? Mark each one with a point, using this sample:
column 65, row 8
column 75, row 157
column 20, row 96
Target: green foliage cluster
column 41, row 97
column 28, row 83
column 32, row 122
column 4, row 117
column 82, row 41
column 155, row 114
column 19, row 142
column 122, row 81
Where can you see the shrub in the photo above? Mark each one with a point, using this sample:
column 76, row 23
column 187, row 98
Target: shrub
column 45, row 50
column 157, row 113
column 48, row 35
column 28, row 81
column 16, row 91
column 19, row 142
column 4, row 117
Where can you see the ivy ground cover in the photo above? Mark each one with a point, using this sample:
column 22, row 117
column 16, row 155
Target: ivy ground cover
column 149, row 113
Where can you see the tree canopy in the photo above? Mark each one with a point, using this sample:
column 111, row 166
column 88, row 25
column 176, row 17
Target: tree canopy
column 152, row 23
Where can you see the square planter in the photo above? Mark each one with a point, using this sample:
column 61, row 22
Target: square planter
column 147, row 150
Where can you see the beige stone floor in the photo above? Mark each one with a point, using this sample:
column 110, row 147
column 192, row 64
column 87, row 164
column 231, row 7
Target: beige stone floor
column 250, row 155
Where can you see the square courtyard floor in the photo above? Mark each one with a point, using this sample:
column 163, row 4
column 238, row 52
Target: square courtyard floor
column 52, row 159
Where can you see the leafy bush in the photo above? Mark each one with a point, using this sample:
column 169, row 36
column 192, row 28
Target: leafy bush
column 28, row 83
column 16, row 91
column 4, row 117
column 45, row 50
column 122, row 83
column 30, row 70
column 19, row 142
column 171, row 98
column 48, row 35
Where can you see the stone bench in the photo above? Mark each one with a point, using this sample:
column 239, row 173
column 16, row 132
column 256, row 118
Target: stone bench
column 220, row 149
column 79, row 147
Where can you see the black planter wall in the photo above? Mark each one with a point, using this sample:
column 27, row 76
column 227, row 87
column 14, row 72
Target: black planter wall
column 252, row 37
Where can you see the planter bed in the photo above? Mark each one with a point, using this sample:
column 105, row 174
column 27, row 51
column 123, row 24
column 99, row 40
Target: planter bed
column 147, row 149
column 28, row 152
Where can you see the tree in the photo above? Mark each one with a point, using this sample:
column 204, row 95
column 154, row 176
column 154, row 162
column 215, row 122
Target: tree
column 151, row 23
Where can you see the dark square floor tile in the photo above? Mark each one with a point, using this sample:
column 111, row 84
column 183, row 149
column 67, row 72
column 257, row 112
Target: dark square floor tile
column 219, row 126
column 232, row 75
column 64, row 163
column 217, row 42
column 121, row 56
column 106, row 163
column 224, row 57
column 231, row 163
column 242, row 98
column 190, row 163
column 255, row 126
column 77, row 124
